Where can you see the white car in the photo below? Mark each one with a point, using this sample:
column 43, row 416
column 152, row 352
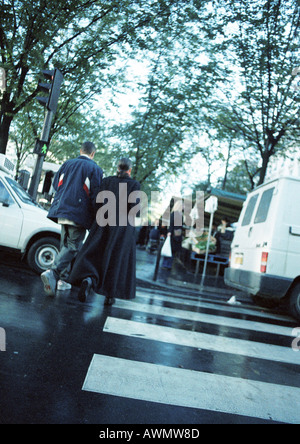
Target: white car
column 24, row 226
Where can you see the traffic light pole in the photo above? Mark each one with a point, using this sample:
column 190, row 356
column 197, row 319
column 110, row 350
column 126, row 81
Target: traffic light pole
column 35, row 180
column 50, row 103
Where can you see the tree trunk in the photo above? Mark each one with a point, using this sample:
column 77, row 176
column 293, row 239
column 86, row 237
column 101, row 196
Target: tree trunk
column 4, row 132
column 265, row 161
column 227, row 165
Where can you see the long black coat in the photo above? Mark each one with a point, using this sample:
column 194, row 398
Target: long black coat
column 176, row 241
column 109, row 254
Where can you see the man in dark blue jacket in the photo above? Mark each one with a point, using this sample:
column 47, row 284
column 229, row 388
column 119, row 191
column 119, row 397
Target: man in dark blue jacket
column 76, row 185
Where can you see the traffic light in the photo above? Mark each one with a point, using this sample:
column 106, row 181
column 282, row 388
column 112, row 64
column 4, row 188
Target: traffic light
column 52, row 88
column 41, row 147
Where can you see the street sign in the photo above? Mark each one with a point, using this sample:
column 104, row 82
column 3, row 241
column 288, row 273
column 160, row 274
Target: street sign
column 211, row 205
column 41, row 147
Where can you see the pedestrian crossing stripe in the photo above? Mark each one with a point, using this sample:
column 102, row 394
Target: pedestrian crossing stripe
column 202, row 340
column 220, row 306
column 206, row 318
column 195, row 389
column 189, row 388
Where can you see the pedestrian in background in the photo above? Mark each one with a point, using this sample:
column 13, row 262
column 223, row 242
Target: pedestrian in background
column 176, row 233
column 224, row 237
column 107, row 261
column 76, row 185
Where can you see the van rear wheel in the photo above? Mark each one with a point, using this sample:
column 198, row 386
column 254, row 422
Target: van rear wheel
column 294, row 301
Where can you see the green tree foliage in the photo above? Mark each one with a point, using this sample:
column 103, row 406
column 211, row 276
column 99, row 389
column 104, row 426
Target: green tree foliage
column 179, row 82
column 259, row 105
column 224, row 68
column 80, row 37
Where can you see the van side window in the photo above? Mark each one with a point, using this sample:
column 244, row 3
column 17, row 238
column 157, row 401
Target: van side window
column 249, row 210
column 264, row 205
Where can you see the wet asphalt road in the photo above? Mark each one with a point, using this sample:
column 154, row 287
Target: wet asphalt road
column 51, row 341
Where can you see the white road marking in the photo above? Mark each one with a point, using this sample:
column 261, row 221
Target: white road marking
column 206, row 318
column 188, row 388
column 240, row 309
column 202, row 340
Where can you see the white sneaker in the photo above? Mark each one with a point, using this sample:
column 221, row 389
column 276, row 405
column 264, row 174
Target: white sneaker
column 63, row 286
column 49, row 282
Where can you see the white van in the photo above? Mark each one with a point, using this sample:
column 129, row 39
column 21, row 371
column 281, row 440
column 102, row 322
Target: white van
column 265, row 252
column 24, row 226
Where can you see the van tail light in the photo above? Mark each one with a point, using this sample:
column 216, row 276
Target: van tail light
column 264, row 262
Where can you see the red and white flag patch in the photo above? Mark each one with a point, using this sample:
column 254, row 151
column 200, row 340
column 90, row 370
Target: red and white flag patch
column 87, row 186
column 61, row 180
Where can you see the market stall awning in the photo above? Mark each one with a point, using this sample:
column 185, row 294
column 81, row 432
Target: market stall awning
column 229, row 205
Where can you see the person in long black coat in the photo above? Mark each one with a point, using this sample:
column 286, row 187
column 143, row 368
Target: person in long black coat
column 107, row 261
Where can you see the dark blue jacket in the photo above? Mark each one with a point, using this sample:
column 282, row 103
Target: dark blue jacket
column 76, row 184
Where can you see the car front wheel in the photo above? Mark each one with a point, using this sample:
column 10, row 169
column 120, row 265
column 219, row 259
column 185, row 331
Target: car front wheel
column 42, row 254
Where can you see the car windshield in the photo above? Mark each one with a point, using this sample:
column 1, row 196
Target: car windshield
column 21, row 193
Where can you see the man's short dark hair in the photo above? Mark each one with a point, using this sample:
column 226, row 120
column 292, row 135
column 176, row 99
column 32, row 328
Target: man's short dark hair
column 88, row 148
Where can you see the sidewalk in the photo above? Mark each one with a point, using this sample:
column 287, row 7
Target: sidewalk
column 180, row 279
